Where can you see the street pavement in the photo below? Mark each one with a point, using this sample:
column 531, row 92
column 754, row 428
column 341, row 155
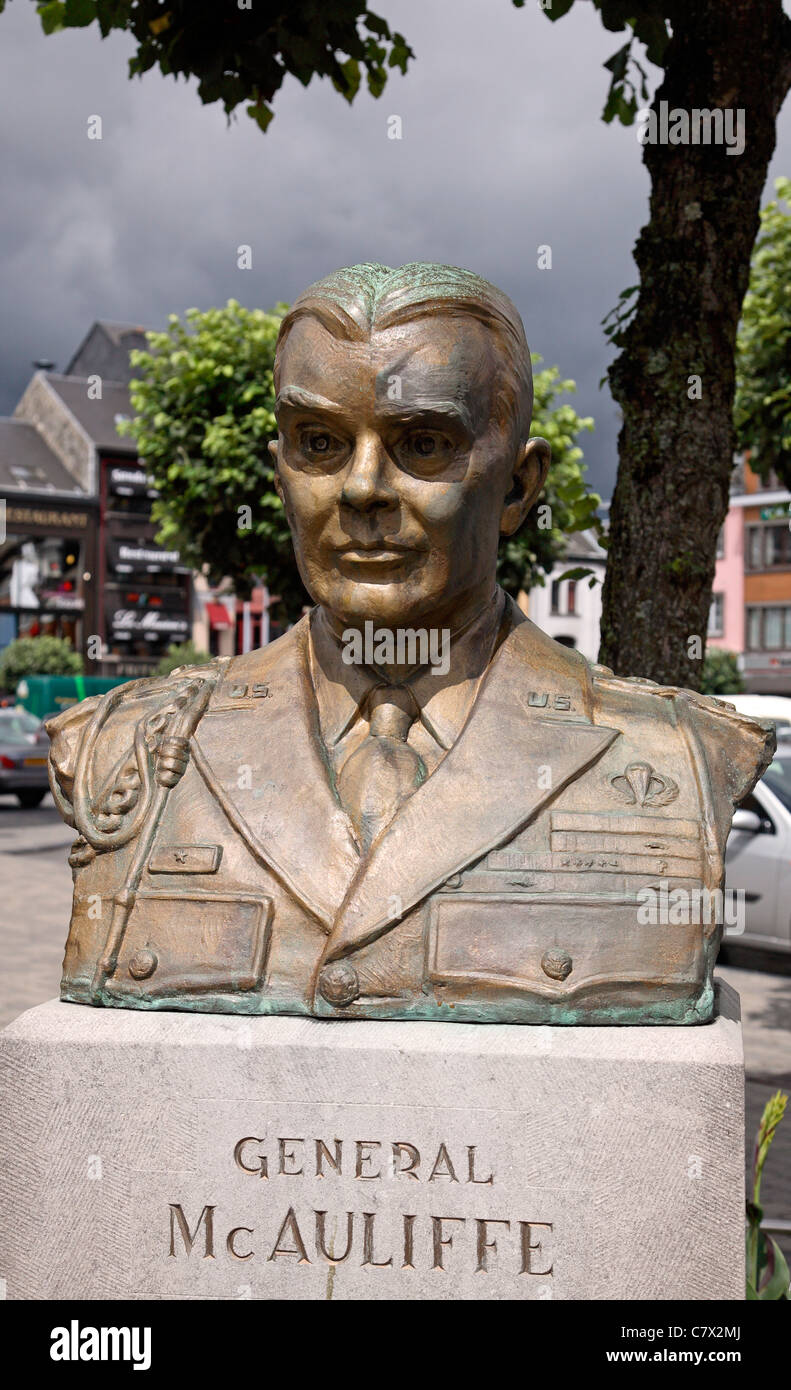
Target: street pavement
column 35, row 902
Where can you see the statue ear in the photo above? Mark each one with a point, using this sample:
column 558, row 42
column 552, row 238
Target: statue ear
column 530, row 471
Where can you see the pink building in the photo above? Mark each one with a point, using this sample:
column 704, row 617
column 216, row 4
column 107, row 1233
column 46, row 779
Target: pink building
column 750, row 610
column 726, row 615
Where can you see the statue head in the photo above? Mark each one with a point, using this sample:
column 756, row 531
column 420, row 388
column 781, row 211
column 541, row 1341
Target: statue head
column 404, row 400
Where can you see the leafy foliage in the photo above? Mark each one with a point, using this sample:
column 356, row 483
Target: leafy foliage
column 205, row 414
column 180, row 654
column 762, row 409
column 565, row 505
column 767, row 1270
column 242, row 54
column 721, row 674
column 649, row 23
column 37, row 656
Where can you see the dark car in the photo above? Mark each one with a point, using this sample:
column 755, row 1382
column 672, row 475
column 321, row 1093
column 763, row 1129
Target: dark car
column 24, row 747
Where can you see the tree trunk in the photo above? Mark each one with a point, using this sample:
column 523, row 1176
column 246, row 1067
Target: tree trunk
column 676, row 451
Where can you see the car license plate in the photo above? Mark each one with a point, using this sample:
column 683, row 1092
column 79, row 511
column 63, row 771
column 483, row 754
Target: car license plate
column 35, row 762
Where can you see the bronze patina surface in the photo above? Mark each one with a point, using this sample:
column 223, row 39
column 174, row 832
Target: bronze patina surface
column 414, row 804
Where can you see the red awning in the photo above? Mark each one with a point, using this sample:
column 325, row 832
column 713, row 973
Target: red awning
column 218, row 616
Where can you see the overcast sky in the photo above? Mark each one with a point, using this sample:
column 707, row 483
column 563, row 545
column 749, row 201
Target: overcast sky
column 502, row 150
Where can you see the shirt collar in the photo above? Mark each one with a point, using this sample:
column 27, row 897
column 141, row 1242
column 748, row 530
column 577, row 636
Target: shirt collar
column 445, row 700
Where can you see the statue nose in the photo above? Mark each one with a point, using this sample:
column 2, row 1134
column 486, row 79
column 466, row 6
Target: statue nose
column 365, row 485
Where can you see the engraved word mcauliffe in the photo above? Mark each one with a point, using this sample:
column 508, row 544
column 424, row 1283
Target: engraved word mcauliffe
column 313, row 1234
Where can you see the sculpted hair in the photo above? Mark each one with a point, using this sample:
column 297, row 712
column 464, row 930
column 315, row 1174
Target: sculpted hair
column 353, row 302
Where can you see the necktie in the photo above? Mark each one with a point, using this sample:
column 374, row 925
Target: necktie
column 384, row 770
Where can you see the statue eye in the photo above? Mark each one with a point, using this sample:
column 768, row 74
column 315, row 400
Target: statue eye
column 318, row 444
column 424, row 445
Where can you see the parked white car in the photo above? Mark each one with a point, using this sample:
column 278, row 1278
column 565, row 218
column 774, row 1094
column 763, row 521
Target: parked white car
column 758, row 858
column 774, row 707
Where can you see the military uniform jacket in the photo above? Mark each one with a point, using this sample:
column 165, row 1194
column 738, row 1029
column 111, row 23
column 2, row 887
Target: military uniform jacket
column 215, row 868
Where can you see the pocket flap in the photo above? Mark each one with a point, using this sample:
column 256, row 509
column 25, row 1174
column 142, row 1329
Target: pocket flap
column 178, row 944
column 558, row 946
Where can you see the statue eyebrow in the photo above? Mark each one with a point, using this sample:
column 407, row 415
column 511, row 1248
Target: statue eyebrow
column 453, row 411
column 299, row 399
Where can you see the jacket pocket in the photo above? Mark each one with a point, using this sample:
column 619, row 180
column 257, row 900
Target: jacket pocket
column 179, row 943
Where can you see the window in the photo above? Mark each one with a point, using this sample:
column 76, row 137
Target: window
column 769, row 628
column 769, row 547
column 721, row 543
column 41, row 573
column 751, row 803
column 777, row 545
column 554, row 596
column 754, row 629
column 778, row 779
column 716, row 615
column 773, row 628
column 571, row 596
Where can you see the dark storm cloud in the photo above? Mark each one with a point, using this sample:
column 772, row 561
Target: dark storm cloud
column 502, row 151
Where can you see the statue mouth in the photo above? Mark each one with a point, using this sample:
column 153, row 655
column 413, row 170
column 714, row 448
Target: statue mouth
column 375, row 556
column 363, row 554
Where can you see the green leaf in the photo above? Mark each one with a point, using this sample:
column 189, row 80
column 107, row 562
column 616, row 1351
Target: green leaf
column 619, row 61
column 557, row 9
column 351, row 79
column 579, row 572
column 777, row 1280
column 51, row 15
column 79, row 13
column 262, row 114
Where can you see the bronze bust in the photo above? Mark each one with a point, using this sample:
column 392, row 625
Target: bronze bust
column 415, row 804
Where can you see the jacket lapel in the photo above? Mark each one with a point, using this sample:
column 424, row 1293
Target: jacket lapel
column 259, row 754
column 490, row 784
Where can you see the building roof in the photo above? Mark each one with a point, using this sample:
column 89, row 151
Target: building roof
column 105, row 351
column 583, row 545
column 27, row 464
column 98, row 418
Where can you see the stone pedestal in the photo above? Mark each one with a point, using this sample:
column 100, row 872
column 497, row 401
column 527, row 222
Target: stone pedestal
column 171, row 1155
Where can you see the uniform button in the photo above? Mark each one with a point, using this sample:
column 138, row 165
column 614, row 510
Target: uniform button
column 142, row 964
column 338, row 983
column 556, row 964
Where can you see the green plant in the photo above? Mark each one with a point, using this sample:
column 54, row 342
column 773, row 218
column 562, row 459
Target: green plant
column 721, row 674
column 244, row 53
column 37, row 656
column 204, row 413
column 767, row 1270
column 565, row 505
column 182, row 654
column 762, row 408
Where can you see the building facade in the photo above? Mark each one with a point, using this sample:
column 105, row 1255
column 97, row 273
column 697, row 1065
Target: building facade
column 135, row 596
column 570, row 609
column 751, row 601
column 48, row 543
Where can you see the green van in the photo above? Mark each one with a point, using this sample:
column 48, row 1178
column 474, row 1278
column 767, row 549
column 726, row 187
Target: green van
column 45, row 696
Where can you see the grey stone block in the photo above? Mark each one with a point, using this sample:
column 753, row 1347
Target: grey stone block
column 472, row 1162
